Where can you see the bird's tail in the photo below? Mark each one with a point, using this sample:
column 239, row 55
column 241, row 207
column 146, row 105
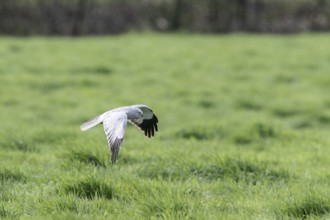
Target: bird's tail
column 91, row 123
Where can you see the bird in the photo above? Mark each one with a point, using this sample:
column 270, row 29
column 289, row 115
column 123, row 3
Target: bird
column 115, row 120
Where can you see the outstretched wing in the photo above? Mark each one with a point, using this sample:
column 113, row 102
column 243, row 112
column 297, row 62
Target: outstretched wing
column 114, row 127
column 148, row 121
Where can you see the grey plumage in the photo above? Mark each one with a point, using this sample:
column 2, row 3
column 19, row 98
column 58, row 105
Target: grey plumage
column 115, row 121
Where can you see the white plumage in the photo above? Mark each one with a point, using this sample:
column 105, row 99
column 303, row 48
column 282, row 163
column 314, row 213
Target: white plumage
column 115, row 120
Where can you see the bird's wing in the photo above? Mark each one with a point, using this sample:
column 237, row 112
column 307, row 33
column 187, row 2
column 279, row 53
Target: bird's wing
column 114, row 127
column 148, row 121
column 92, row 122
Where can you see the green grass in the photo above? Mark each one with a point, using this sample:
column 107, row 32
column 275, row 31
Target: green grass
column 244, row 125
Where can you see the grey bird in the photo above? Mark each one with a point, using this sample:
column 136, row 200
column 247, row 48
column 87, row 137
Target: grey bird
column 114, row 123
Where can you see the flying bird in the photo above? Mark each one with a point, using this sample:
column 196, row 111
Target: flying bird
column 114, row 123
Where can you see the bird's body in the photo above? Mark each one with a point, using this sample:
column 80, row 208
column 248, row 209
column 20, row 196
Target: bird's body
column 115, row 120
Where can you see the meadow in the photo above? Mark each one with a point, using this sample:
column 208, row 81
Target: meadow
column 244, row 124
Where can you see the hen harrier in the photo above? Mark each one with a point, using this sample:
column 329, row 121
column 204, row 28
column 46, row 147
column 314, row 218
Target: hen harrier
column 115, row 120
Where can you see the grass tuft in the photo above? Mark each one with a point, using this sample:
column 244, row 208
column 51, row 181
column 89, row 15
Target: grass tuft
column 86, row 158
column 90, row 188
column 238, row 170
column 168, row 201
column 249, row 105
column 102, row 70
column 10, row 212
column 285, row 112
column 59, row 204
column 176, row 209
column 255, row 133
column 85, row 153
column 7, row 175
column 200, row 133
column 309, row 207
column 324, row 119
column 302, row 124
column 4, row 213
column 206, row 104
column 52, row 86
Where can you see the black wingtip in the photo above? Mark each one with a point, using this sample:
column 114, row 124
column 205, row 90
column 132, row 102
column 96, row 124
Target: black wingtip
column 145, row 131
column 149, row 126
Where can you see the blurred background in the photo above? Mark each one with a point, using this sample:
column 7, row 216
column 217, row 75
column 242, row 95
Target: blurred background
column 98, row 17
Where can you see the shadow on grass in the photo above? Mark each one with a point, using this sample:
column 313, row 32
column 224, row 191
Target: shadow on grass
column 90, row 188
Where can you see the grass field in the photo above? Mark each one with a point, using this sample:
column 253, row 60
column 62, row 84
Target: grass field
column 243, row 133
